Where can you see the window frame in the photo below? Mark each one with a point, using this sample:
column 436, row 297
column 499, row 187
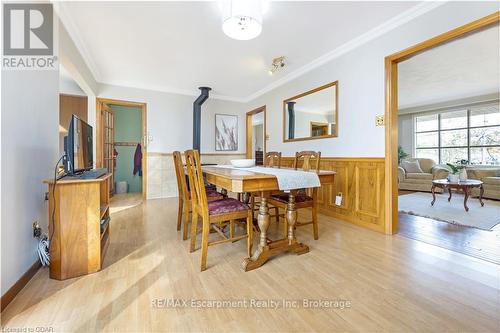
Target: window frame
column 439, row 130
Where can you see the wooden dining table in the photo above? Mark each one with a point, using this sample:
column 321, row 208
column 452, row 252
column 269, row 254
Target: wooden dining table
column 263, row 185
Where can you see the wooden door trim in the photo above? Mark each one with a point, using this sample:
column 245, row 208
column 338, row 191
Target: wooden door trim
column 391, row 108
column 99, row 143
column 248, row 133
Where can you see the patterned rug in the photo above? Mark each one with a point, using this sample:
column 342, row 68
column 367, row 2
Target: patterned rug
column 419, row 204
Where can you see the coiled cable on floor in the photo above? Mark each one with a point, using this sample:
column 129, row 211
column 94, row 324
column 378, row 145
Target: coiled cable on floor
column 43, row 250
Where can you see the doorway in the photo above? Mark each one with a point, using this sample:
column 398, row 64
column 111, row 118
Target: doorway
column 391, row 108
column 256, row 135
column 435, row 133
column 121, row 144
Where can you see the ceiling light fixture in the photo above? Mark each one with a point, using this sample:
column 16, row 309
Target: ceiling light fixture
column 242, row 19
column 278, row 63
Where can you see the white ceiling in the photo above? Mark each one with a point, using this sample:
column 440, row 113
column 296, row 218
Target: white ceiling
column 460, row 69
column 178, row 46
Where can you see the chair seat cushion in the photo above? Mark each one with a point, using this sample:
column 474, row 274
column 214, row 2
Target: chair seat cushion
column 224, row 206
column 412, row 175
column 210, row 194
column 213, row 193
column 283, row 197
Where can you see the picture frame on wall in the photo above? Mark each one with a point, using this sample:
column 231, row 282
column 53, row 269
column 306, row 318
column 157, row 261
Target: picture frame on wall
column 226, row 132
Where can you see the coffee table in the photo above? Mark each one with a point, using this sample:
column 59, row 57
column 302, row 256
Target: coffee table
column 465, row 186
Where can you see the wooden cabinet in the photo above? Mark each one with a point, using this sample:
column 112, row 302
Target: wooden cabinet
column 259, row 157
column 76, row 208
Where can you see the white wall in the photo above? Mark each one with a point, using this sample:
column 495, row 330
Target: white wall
column 360, row 73
column 73, row 62
column 77, row 69
column 170, row 118
column 405, row 133
column 258, row 138
column 30, row 130
column 212, row 107
column 303, row 121
column 70, row 87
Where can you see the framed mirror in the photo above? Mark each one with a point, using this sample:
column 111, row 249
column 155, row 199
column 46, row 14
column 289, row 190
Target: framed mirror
column 311, row 115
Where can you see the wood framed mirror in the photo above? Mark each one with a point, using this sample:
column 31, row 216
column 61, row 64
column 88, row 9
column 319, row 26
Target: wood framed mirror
column 312, row 114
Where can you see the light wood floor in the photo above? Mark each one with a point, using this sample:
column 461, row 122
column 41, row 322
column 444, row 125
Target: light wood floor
column 393, row 283
column 482, row 244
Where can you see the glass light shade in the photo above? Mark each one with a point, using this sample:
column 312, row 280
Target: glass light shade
column 242, row 19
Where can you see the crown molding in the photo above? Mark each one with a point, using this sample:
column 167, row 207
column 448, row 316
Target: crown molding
column 376, row 32
column 169, row 90
column 67, row 20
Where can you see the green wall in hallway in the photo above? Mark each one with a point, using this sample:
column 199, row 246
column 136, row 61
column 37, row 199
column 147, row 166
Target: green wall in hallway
column 128, row 127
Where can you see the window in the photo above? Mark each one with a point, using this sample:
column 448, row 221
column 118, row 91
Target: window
column 450, row 136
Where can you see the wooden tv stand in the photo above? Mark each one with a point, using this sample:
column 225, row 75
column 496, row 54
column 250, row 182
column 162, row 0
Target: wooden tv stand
column 77, row 244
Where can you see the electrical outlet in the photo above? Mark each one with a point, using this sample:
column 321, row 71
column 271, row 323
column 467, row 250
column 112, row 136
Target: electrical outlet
column 379, row 121
column 37, row 230
column 338, row 199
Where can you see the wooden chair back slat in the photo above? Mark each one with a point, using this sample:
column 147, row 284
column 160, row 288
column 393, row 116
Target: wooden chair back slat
column 309, row 160
column 180, row 176
column 198, row 192
column 272, row 159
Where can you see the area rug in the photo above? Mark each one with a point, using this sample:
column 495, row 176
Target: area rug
column 419, row 204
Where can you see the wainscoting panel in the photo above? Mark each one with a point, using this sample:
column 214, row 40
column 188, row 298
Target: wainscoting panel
column 360, row 181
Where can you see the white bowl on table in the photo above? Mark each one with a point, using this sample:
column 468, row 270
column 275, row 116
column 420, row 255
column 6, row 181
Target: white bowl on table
column 243, row 163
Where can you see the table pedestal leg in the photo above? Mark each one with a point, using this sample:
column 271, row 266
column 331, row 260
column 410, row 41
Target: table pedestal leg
column 481, row 192
column 265, row 249
column 466, row 196
column 449, row 192
column 262, row 253
column 433, row 195
column 291, row 218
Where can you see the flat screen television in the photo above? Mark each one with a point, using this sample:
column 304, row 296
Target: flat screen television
column 78, row 147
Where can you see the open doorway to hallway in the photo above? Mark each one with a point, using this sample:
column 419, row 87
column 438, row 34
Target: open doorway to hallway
column 446, row 97
column 256, row 134
column 121, row 129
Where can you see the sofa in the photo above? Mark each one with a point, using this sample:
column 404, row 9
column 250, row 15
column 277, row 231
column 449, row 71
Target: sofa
column 490, row 178
column 421, row 181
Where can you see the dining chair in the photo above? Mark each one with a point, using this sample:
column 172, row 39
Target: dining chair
column 185, row 195
column 272, row 159
column 214, row 212
column 306, row 161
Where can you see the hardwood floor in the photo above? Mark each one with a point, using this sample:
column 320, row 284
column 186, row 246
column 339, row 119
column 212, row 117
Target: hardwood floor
column 393, row 283
column 478, row 243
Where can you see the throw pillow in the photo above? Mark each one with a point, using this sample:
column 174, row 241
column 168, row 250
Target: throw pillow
column 411, row 166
